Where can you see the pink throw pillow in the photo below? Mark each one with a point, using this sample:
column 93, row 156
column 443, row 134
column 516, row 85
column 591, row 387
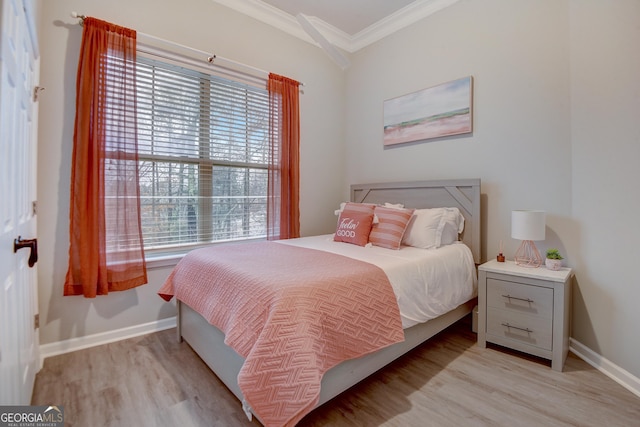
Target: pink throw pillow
column 359, row 207
column 392, row 223
column 354, row 227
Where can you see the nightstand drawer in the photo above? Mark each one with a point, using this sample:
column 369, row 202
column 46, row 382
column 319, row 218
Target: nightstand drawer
column 519, row 327
column 520, row 298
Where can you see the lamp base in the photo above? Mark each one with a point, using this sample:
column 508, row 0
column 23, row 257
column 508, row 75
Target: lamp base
column 527, row 255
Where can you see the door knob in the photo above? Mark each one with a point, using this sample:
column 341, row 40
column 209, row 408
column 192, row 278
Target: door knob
column 27, row 243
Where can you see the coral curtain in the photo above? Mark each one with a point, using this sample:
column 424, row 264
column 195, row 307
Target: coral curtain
column 283, row 194
column 106, row 249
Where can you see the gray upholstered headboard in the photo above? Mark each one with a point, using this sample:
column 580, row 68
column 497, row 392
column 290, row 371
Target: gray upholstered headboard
column 461, row 193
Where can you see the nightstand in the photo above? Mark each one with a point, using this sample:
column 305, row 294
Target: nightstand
column 526, row 309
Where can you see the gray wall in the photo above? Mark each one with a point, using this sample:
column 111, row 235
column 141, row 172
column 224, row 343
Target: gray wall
column 555, row 128
column 556, row 102
column 605, row 146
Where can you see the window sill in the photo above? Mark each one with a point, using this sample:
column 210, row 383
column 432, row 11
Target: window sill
column 171, row 259
column 163, row 261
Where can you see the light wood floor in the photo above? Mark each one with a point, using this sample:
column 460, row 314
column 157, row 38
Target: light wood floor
column 448, row 381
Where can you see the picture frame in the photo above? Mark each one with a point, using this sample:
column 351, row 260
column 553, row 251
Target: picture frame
column 435, row 112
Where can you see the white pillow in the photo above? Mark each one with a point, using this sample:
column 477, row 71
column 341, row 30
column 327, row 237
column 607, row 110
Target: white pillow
column 453, row 222
column 338, row 211
column 432, row 228
column 394, row 205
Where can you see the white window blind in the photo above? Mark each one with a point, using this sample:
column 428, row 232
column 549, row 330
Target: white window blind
column 203, row 156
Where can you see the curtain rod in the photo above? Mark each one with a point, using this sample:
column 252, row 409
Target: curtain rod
column 210, row 57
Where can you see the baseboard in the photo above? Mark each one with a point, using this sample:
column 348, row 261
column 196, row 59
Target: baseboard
column 610, row 369
column 74, row 344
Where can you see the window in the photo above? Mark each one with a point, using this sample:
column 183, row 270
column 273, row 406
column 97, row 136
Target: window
column 203, row 156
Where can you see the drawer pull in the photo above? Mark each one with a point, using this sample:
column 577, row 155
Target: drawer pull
column 527, row 330
column 519, row 299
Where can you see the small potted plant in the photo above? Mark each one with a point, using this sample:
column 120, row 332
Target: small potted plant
column 554, row 259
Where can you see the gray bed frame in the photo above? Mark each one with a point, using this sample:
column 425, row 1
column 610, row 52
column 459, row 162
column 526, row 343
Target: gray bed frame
column 208, row 341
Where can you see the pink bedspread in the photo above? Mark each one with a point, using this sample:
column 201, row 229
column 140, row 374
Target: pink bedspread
column 291, row 312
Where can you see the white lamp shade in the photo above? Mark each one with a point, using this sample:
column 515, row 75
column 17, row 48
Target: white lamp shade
column 528, row 225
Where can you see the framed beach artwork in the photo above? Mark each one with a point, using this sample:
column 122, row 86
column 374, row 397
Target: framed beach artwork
column 435, row 112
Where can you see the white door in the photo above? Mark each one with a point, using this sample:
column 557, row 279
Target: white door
column 19, row 67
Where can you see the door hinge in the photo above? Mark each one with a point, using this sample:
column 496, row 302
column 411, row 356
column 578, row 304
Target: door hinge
column 36, row 321
column 36, row 89
column 34, row 208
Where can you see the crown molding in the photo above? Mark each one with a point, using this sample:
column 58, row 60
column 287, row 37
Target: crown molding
column 275, row 17
column 269, row 15
column 404, row 17
column 325, row 44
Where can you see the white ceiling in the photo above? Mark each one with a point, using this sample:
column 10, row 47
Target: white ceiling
column 347, row 24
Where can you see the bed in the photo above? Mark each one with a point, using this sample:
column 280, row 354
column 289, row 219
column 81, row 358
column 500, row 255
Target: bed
column 209, row 341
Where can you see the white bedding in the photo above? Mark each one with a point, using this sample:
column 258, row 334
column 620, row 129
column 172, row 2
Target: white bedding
column 427, row 282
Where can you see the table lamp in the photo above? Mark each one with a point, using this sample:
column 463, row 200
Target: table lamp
column 528, row 226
